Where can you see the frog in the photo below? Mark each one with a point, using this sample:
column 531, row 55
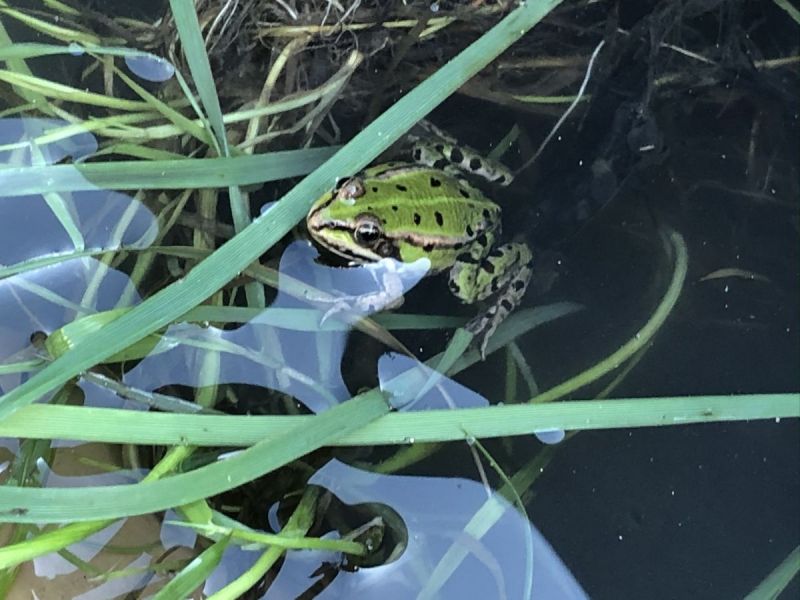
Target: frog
column 428, row 207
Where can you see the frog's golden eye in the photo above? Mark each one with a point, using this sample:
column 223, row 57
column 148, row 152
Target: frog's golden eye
column 368, row 230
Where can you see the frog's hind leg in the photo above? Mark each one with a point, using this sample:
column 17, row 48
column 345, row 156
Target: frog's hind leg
column 502, row 275
column 452, row 158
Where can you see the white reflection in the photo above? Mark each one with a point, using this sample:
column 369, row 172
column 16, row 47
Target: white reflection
column 52, row 565
column 550, row 436
column 150, row 67
column 24, row 143
column 411, row 385
column 75, row 49
column 299, row 353
column 36, row 226
column 48, row 298
column 140, row 576
column 447, row 550
column 414, row 386
column 174, row 536
column 35, row 297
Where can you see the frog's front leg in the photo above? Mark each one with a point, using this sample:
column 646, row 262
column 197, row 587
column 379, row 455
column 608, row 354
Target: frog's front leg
column 501, row 273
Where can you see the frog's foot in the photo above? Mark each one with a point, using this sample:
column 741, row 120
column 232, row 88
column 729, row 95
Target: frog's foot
column 388, row 296
column 362, row 305
column 483, row 326
column 502, row 275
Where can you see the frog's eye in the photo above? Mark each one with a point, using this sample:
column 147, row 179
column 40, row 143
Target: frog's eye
column 368, row 230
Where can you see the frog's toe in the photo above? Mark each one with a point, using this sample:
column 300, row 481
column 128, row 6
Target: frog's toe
column 482, row 327
column 338, row 308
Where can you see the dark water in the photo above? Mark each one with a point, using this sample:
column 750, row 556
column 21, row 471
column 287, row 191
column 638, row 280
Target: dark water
column 702, row 511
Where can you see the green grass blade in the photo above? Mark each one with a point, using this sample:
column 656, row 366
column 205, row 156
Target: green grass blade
column 35, row 50
column 18, row 65
column 193, row 575
column 790, row 9
column 51, row 89
column 296, row 527
column 777, row 581
column 221, row 267
column 194, row 49
column 21, row 367
column 162, row 174
column 68, row 505
column 213, row 531
column 48, row 542
column 172, row 115
column 61, row 206
column 63, row 132
column 45, row 261
column 136, row 427
column 139, row 151
column 676, row 247
column 47, row 28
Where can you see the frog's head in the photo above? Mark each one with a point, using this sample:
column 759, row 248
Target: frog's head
column 340, row 223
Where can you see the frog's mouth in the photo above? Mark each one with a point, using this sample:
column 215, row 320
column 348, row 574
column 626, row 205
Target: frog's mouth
column 338, row 240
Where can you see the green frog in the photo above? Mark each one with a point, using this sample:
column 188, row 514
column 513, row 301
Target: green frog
column 429, row 209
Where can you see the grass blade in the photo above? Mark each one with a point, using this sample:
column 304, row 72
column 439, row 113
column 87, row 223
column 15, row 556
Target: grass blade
column 137, row 427
column 194, row 50
column 777, row 581
column 68, row 505
column 51, row 89
column 194, row 574
column 162, row 174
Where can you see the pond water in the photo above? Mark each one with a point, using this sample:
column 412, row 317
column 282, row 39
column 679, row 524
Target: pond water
column 704, row 510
